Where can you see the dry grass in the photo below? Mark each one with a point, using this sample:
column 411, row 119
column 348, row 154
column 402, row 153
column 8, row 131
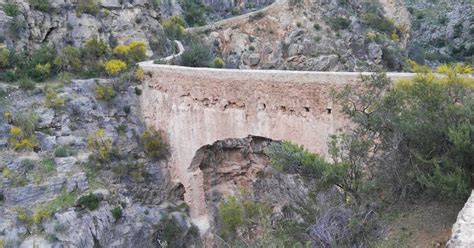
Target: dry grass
column 425, row 224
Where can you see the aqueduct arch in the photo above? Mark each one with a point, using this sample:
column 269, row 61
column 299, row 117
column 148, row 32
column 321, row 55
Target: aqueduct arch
column 198, row 106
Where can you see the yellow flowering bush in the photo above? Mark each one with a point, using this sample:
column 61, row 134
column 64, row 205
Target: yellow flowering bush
column 115, row 66
column 15, row 132
column 139, row 74
column 121, row 50
column 133, row 52
column 104, row 92
column 19, row 141
column 101, row 144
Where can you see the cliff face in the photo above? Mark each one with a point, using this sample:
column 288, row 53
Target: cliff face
column 315, row 35
column 319, row 35
column 40, row 187
column 64, row 23
column 443, row 31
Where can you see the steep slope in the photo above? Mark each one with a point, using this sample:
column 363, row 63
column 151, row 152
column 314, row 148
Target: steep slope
column 315, row 35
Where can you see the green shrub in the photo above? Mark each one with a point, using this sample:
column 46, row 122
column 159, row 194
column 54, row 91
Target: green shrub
column 4, row 57
column 89, row 201
column 69, row 59
column 53, row 100
column 48, row 166
column 23, row 216
column 240, row 217
column 174, row 27
column 154, row 145
column 95, row 49
column 8, row 76
column 170, row 232
column 62, row 151
column 194, row 12
column 43, row 55
column 27, row 121
column 11, row 9
column 316, row 26
column 45, row 211
column 235, row 11
column 432, row 131
column 127, row 109
column 231, row 215
column 41, row 72
column 133, row 170
column 41, row 5
column 26, row 84
column 217, row 63
column 339, row 23
column 40, row 63
column 117, row 213
column 100, row 144
column 91, row 7
column 379, row 23
column 104, row 92
column 198, row 55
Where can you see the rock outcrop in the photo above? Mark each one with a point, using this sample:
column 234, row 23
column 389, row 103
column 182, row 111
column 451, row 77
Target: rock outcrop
column 62, row 168
column 462, row 233
column 312, row 35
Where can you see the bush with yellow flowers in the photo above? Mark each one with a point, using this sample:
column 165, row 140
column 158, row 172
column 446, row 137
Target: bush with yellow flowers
column 104, row 92
column 132, row 53
column 139, row 74
column 20, row 141
column 100, row 144
column 115, row 66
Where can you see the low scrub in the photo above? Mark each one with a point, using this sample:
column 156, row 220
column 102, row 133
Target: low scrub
column 101, row 145
column 105, row 92
column 90, row 7
column 197, row 55
column 89, row 201
column 154, row 145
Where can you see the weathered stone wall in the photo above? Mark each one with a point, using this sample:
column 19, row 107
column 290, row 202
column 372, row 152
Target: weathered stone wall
column 463, row 229
column 198, row 106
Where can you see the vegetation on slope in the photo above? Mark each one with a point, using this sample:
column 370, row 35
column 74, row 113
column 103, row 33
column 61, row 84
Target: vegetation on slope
column 412, row 142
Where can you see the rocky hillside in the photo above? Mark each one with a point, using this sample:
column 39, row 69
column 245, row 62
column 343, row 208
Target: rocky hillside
column 443, row 31
column 338, row 35
column 314, row 35
column 76, row 170
column 25, row 25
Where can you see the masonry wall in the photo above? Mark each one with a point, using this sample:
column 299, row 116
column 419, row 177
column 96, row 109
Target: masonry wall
column 198, row 106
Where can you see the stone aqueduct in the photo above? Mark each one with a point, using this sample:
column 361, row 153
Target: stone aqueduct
column 198, row 106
